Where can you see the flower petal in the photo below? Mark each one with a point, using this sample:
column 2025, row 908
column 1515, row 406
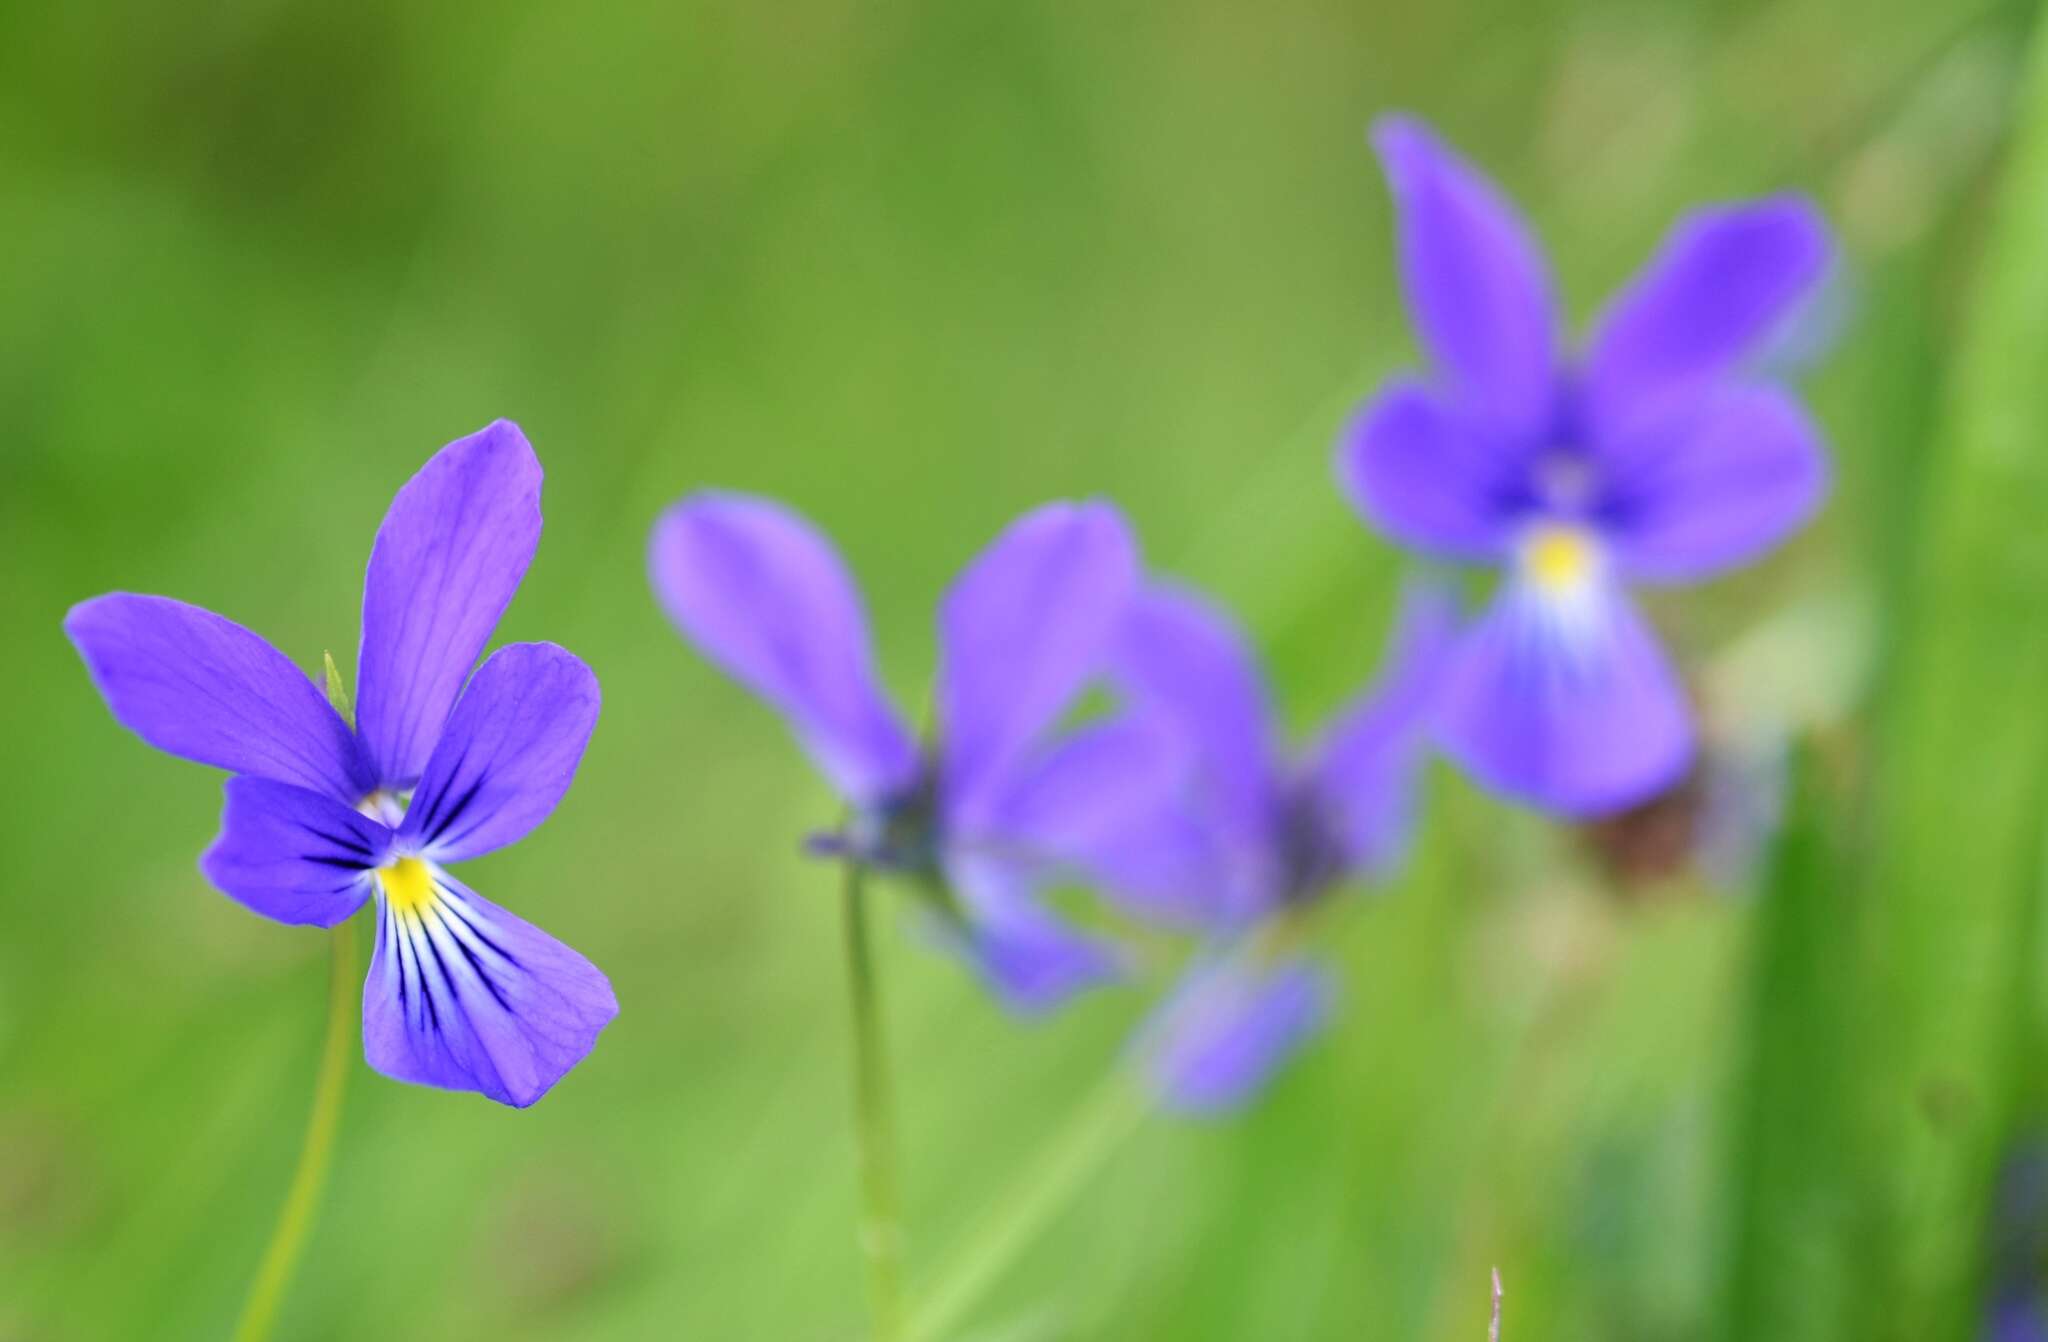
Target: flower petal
column 1363, row 770
column 764, row 596
column 1109, row 802
column 1228, row 1028
column 1186, row 664
column 1565, row 702
column 464, row 996
column 202, row 687
column 509, row 751
column 1722, row 283
column 2017, row 1320
column 1168, row 866
column 1473, row 278
column 1417, row 471
column 1029, row 958
column 1717, row 488
column 294, row 855
column 1021, row 631
column 1085, row 784
column 448, row 558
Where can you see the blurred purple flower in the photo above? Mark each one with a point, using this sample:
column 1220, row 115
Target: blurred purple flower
column 764, row 596
column 2016, row 1321
column 1237, row 836
column 319, row 817
column 2015, row 1244
column 1652, row 455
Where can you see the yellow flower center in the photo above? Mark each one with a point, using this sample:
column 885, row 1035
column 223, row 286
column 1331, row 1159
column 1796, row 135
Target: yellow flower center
column 408, row 884
column 1558, row 558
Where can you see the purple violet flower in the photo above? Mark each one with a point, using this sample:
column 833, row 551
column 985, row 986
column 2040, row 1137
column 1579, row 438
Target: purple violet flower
column 1242, row 838
column 319, row 817
column 1648, row 456
column 766, row 598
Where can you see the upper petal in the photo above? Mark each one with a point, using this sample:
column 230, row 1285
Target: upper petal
column 202, row 687
column 1229, row 1027
column 292, row 854
column 764, row 596
column 1474, row 280
column 465, row 996
column 1020, row 632
column 1720, row 285
column 509, row 751
column 1363, row 770
column 1427, row 476
column 1718, row 487
column 1565, row 702
column 1186, row 664
column 447, row 559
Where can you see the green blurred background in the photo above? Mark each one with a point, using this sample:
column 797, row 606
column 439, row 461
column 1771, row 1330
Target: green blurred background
column 914, row 267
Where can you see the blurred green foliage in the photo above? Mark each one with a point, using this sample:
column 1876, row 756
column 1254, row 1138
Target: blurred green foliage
column 915, row 267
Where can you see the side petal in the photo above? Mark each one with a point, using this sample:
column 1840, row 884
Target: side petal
column 1086, row 784
column 1566, row 703
column 1363, row 770
column 1110, row 804
column 294, row 855
column 1422, row 475
column 202, row 687
column 509, row 751
column 1474, row 280
column 1020, row 632
column 1169, row 866
column 1719, row 287
column 765, row 598
column 1229, row 1027
column 1718, row 488
column 1029, row 958
column 1185, row 664
column 447, row 559
column 464, row 996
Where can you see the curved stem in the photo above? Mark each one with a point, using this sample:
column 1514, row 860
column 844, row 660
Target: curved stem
column 881, row 1229
column 309, row 1181
column 1062, row 1169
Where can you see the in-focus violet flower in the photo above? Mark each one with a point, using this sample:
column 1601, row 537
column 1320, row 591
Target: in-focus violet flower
column 766, row 598
column 1650, row 455
column 320, row 818
column 1244, row 837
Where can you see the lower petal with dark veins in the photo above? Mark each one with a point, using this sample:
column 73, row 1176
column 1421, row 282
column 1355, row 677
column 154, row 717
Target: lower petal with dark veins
column 465, row 996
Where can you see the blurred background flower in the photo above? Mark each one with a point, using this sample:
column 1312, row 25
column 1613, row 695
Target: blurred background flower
column 1642, row 456
column 1022, row 631
column 1252, row 838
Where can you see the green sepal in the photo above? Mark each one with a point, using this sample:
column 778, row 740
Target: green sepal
column 337, row 692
